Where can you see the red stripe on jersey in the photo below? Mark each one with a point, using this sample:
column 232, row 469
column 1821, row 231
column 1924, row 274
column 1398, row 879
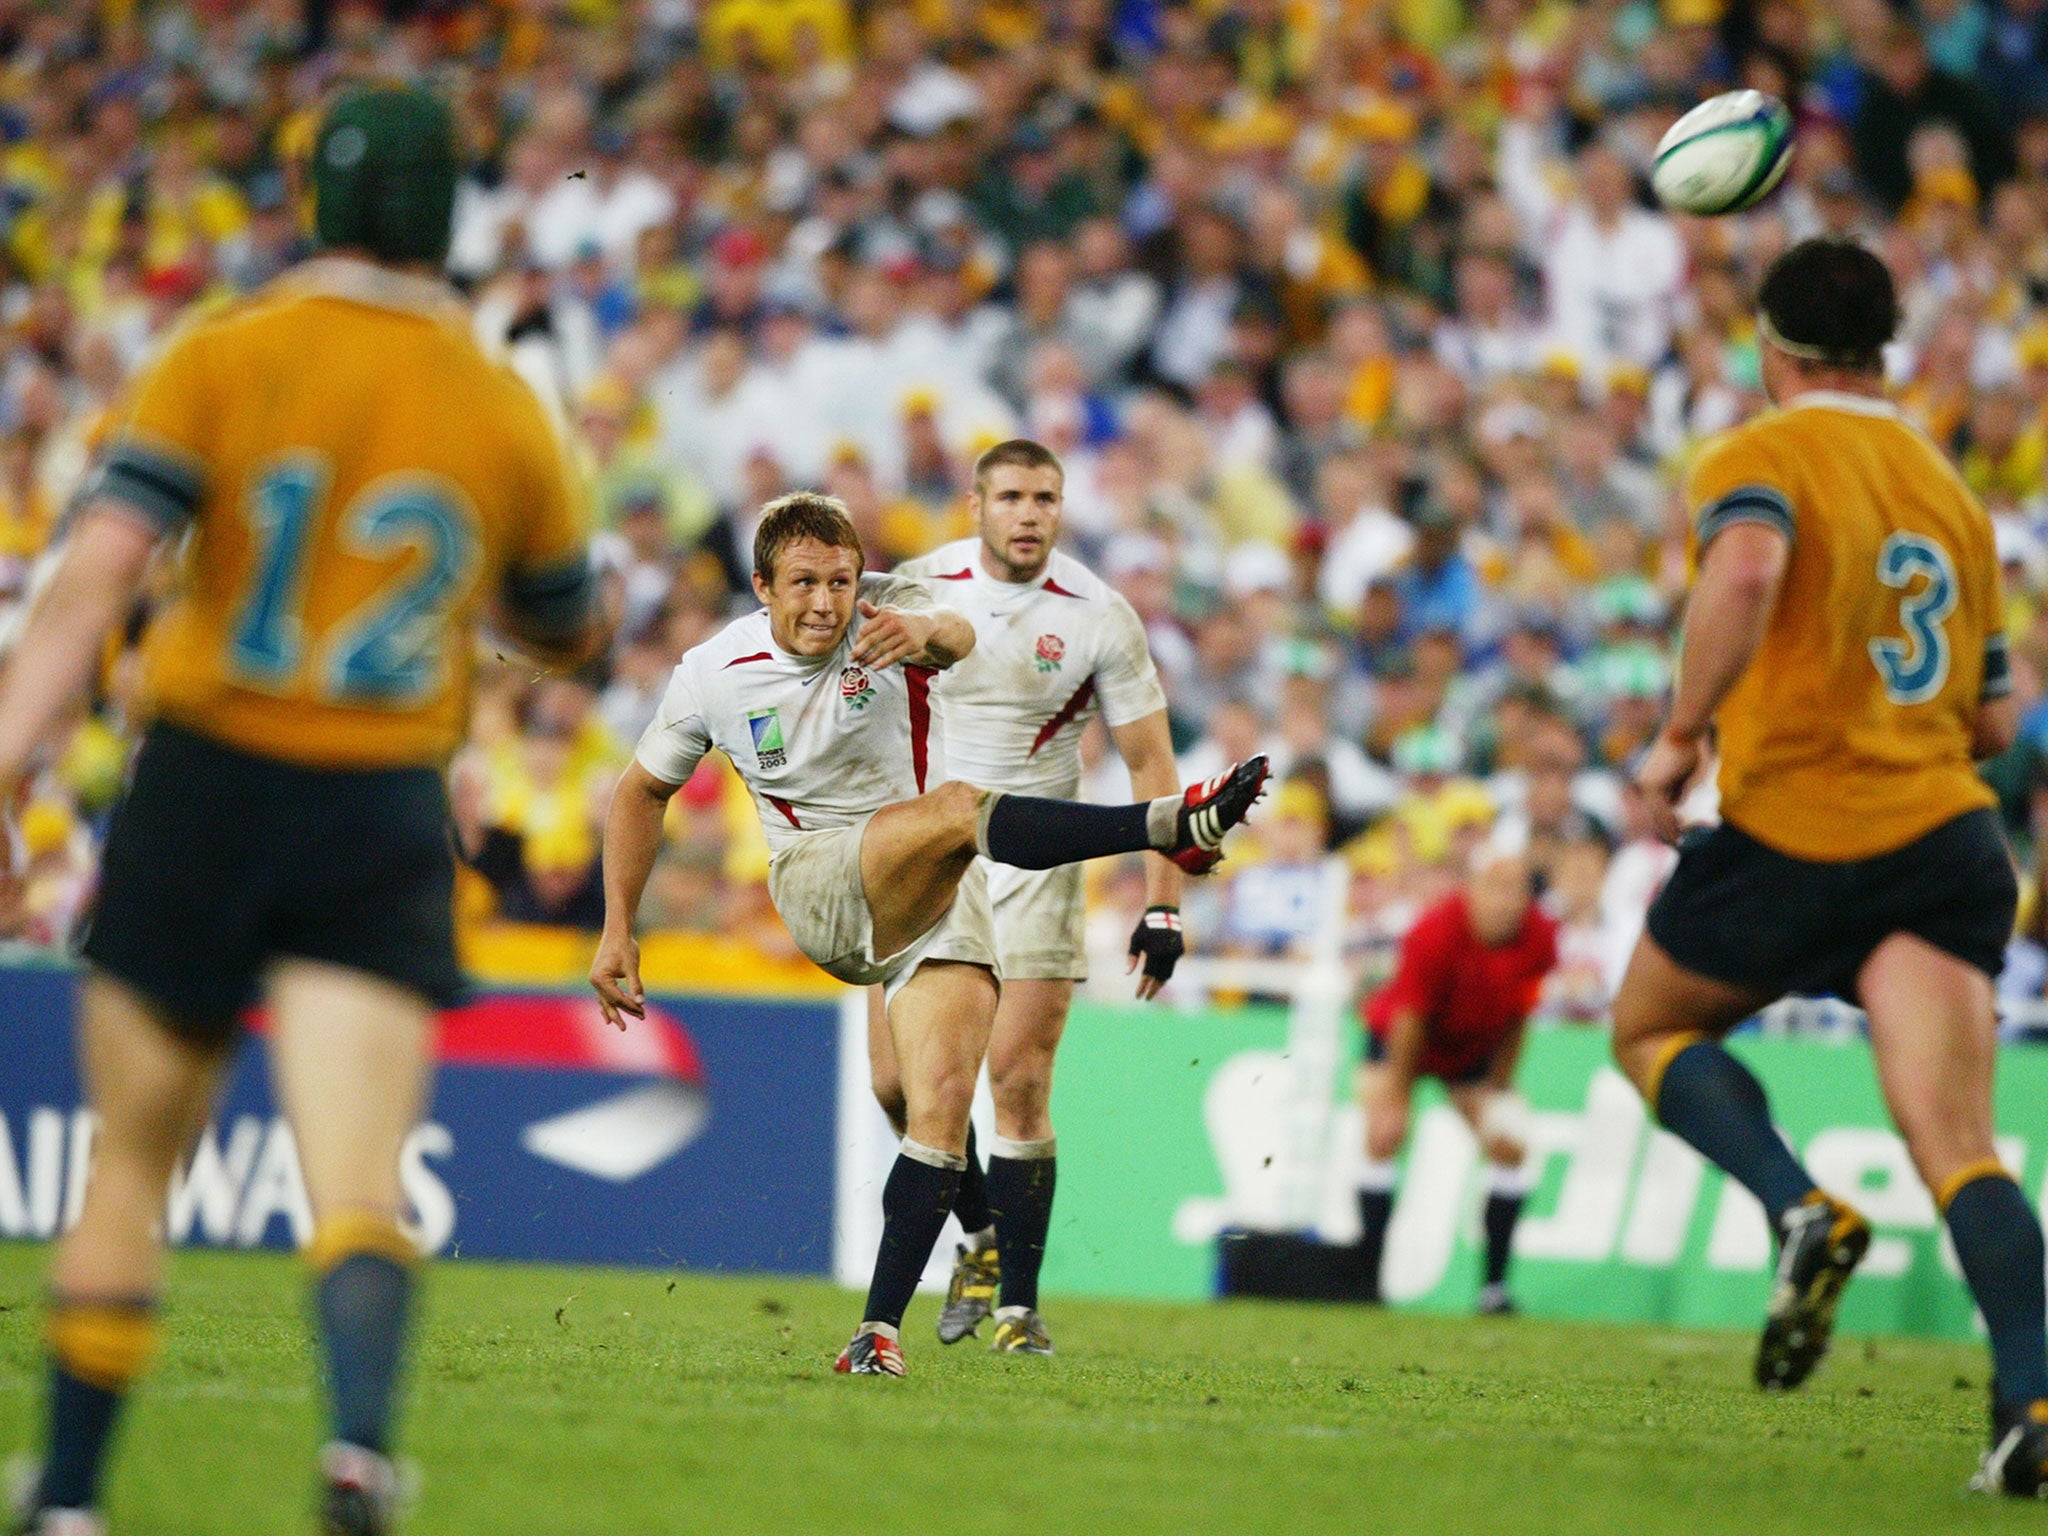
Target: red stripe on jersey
column 1059, row 591
column 919, row 682
column 1065, row 717
column 788, row 810
column 953, row 576
column 741, row 661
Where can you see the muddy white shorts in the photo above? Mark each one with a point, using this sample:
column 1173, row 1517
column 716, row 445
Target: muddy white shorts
column 1041, row 922
column 816, row 887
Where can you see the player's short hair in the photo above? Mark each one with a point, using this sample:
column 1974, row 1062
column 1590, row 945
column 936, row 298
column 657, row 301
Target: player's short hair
column 1830, row 303
column 384, row 173
column 1021, row 452
column 803, row 515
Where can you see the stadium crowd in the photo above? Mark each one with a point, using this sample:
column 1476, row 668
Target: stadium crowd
column 1373, row 370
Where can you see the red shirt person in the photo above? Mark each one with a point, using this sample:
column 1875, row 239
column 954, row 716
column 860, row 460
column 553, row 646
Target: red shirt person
column 1469, row 974
column 1468, row 998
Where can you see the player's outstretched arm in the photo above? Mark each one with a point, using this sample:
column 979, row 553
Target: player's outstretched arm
column 1146, row 746
column 1740, row 574
column 93, row 590
column 632, row 839
column 939, row 638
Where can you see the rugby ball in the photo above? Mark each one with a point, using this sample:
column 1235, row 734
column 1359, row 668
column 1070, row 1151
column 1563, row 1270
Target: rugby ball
column 1724, row 154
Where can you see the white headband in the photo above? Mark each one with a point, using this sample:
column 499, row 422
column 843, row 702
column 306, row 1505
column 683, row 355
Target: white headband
column 1806, row 352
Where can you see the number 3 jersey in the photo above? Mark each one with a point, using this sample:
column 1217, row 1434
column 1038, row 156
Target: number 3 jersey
column 358, row 479
column 820, row 741
column 1849, row 735
column 1047, row 655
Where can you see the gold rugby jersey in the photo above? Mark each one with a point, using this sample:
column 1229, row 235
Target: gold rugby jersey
column 359, row 480
column 1849, row 734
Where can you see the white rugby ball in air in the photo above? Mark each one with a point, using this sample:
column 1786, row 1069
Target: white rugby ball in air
column 1724, row 154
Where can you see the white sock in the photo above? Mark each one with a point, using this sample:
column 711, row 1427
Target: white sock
column 1377, row 1177
column 880, row 1330
column 918, row 1152
column 1023, row 1151
column 1162, row 822
column 985, row 1238
column 1512, row 1183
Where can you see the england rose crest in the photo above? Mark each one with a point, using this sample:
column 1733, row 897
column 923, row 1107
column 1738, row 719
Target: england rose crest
column 855, row 688
column 1051, row 651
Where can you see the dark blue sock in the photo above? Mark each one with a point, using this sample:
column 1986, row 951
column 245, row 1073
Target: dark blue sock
column 1502, row 1212
column 1714, row 1103
column 363, row 1303
column 915, row 1203
column 971, row 1203
column 1020, row 1192
column 1998, row 1240
column 1042, row 834
column 1375, row 1212
column 82, row 1419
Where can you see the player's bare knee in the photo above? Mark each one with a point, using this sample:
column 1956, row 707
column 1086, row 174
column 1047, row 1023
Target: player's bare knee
column 959, row 805
column 1023, row 1105
column 945, row 1094
column 1020, row 1095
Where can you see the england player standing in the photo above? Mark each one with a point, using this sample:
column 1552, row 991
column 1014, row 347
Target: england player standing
column 822, row 700
column 1055, row 645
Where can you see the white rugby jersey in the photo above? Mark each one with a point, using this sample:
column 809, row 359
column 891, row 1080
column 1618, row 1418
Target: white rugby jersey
column 821, row 741
column 1047, row 655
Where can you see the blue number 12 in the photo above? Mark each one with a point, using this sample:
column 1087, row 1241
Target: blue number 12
column 268, row 636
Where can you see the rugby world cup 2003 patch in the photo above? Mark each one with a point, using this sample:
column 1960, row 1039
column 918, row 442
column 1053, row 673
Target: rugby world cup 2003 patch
column 767, row 729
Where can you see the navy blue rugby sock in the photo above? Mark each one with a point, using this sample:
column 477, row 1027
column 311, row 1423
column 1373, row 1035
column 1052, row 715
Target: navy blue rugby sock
column 364, row 1280
column 915, row 1203
column 1998, row 1240
column 1030, row 833
column 1715, row 1104
column 98, row 1348
column 1021, row 1178
column 970, row 1205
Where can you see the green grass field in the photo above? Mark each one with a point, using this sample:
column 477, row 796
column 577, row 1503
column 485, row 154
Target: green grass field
column 561, row 1401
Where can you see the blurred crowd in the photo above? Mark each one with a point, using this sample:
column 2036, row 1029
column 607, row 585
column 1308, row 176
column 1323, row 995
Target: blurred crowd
column 1373, row 369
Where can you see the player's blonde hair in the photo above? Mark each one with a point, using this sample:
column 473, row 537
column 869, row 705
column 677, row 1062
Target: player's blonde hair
column 803, row 515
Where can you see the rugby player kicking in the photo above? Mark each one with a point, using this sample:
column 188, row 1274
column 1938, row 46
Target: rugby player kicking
column 1054, row 646
column 823, row 702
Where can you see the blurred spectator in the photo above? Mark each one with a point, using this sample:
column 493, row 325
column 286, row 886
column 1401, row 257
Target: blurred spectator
column 1274, row 906
column 1903, row 88
column 1372, row 366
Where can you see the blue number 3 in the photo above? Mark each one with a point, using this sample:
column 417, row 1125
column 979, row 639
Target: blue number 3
column 1915, row 667
column 390, row 650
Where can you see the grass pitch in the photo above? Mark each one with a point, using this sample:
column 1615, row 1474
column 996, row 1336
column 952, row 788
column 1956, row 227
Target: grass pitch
column 556, row 1402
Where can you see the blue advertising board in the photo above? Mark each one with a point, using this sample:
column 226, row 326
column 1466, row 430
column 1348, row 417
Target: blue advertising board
column 703, row 1137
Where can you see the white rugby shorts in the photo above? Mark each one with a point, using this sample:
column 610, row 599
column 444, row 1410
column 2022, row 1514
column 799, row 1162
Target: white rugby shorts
column 816, row 887
column 1041, row 922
